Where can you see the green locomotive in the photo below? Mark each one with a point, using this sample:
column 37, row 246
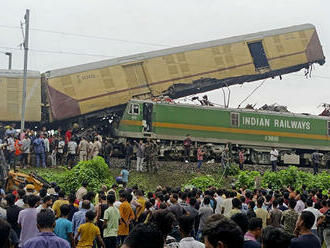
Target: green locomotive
column 296, row 136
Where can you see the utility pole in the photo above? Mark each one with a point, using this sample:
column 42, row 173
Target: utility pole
column 26, row 49
column 10, row 59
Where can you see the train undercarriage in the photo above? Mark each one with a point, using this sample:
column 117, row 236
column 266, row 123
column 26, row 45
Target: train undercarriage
column 174, row 150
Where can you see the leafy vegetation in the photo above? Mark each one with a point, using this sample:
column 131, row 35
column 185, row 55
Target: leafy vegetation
column 296, row 178
column 97, row 173
column 203, row 182
column 248, row 179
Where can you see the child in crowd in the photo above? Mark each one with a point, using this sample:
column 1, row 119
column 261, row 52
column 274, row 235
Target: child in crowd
column 88, row 232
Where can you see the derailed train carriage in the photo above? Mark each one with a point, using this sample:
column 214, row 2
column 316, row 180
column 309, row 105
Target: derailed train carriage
column 87, row 92
column 296, row 136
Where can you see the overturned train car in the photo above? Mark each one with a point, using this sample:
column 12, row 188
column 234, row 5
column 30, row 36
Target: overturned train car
column 296, row 136
column 96, row 89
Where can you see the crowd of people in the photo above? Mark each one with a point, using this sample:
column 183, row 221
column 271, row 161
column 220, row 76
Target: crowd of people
column 168, row 217
column 52, row 148
column 45, row 148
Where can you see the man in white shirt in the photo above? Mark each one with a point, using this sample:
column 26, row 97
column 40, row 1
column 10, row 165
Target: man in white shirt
column 273, row 158
column 11, row 150
column 220, row 200
column 316, row 213
column 227, row 203
column 186, row 223
column 60, row 151
column 72, row 149
column 46, row 142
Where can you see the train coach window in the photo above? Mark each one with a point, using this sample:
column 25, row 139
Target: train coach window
column 134, row 109
column 234, row 119
column 258, row 54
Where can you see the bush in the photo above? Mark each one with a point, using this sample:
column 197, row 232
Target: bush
column 95, row 172
column 233, row 170
column 272, row 179
column 247, row 179
column 203, row 182
column 294, row 177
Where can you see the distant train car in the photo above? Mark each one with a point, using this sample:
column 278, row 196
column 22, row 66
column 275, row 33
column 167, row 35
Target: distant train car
column 87, row 89
column 11, row 88
column 295, row 135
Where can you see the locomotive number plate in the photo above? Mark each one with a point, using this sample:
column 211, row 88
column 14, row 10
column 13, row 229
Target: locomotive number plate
column 272, row 138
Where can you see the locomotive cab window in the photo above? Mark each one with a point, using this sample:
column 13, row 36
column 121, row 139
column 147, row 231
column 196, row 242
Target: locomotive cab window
column 234, row 117
column 134, row 109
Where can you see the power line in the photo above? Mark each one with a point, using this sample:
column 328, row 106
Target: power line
column 89, row 36
column 59, row 52
column 72, row 53
column 252, row 92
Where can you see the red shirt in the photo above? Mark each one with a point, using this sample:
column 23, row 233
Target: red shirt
column 68, row 135
column 18, row 145
column 187, row 143
column 241, row 157
column 200, row 154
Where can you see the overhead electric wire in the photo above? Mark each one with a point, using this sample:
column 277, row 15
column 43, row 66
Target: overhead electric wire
column 59, row 52
column 89, row 36
column 252, row 92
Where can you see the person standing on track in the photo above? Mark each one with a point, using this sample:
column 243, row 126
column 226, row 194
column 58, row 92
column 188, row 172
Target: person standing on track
column 128, row 154
column 72, row 149
column 108, row 149
column 60, row 151
column 225, row 158
column 187, row 144
column 200, row 154
column 90, row 149
column 39, row 149
column 154, row 157
column 139, row 155
column 241, row 159
column 83, row 149
column 97, row 146
column 316, row 158
column 147, row 154
column 273, row 158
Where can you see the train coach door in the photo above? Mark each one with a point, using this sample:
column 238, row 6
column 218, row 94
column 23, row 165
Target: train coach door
column 147, row 117
column 258, row 54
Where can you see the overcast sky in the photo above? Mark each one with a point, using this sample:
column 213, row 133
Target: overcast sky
column 133, row 26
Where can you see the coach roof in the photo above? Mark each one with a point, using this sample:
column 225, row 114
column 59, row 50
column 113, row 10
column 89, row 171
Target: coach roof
column 18, row 74
column 148, row 55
